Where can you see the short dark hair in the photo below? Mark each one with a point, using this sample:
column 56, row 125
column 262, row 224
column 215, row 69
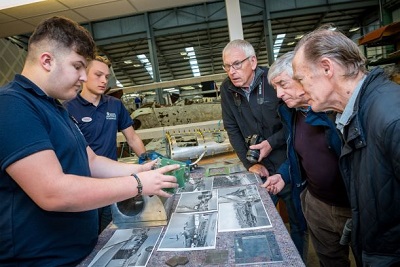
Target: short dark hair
column 65, row 33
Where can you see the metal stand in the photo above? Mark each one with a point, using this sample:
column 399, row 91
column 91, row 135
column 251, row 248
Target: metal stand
column 139, row 212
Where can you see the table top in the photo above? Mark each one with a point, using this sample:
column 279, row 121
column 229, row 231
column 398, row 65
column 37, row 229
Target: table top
column 225, row 241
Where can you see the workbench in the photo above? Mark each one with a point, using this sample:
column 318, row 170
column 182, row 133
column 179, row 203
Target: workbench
column 225, row 240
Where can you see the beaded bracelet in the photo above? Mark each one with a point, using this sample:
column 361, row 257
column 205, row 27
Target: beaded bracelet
column 139, row 184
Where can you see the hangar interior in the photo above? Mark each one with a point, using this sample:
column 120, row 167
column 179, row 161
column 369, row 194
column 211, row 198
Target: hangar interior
column 167, row 51
column 159, row 48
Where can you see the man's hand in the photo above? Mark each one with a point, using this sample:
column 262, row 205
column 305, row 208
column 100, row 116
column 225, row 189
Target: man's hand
column 154, row 181
column 274, row 184
column 150, row 165
column 264, row 147
column 259, row 169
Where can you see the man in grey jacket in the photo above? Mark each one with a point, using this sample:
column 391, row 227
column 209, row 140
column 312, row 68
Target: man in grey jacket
column 249, row 107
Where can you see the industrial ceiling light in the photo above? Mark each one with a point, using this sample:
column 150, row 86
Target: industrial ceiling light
column 354, row 29
column 299, row 36
column 278, row 44
column 147, row 64
column 15, row 3
column 171, row 90
column 193, row 61
column 291, row 43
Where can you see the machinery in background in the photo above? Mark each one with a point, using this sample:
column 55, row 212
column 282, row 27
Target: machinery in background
column 185, row 142
column 152, row 117
column 196, row 144
column 185, row 131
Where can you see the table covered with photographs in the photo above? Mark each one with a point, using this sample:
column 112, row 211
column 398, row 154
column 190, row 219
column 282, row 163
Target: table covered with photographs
column 221, row 218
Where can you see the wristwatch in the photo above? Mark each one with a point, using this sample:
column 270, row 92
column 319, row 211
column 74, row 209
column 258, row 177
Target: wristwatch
column 139, row 184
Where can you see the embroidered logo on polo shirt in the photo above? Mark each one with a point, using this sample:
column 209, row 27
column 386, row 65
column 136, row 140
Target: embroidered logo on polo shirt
column 111, row 116
column 86, row 119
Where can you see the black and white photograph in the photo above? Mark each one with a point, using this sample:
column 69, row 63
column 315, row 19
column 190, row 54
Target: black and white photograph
column 236, row 179
column 190, row 231
column 198, row 202
column 197, row 185
column 128, row 247
column 240, row 208
column 256, row 248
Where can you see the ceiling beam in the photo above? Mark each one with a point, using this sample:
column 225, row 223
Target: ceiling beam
column 170, row 84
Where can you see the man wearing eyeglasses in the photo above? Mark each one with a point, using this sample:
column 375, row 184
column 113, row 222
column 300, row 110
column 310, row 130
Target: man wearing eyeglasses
column 249, row 107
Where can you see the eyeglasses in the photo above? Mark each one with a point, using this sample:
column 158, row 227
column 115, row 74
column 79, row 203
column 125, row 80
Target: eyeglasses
column 236, row 65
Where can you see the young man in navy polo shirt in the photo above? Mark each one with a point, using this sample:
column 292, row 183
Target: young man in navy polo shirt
column 100, row 117
column 50, row 184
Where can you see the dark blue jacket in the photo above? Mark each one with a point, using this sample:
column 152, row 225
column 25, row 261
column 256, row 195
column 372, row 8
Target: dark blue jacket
column 370, row 165
column 290, row 170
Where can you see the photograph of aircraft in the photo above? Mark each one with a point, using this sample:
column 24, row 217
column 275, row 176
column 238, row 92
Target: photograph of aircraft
column 190, row 231
column 197, row 185
column 198, row 201
column 241, row 208
column 235, row 179
column 128, row 247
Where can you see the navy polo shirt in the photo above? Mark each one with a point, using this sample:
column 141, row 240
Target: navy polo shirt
column 100, row 124
column 29, row 236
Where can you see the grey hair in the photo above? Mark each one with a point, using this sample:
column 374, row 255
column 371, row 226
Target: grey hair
column 281, row 64
column 241, row 44
column 325, row 42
